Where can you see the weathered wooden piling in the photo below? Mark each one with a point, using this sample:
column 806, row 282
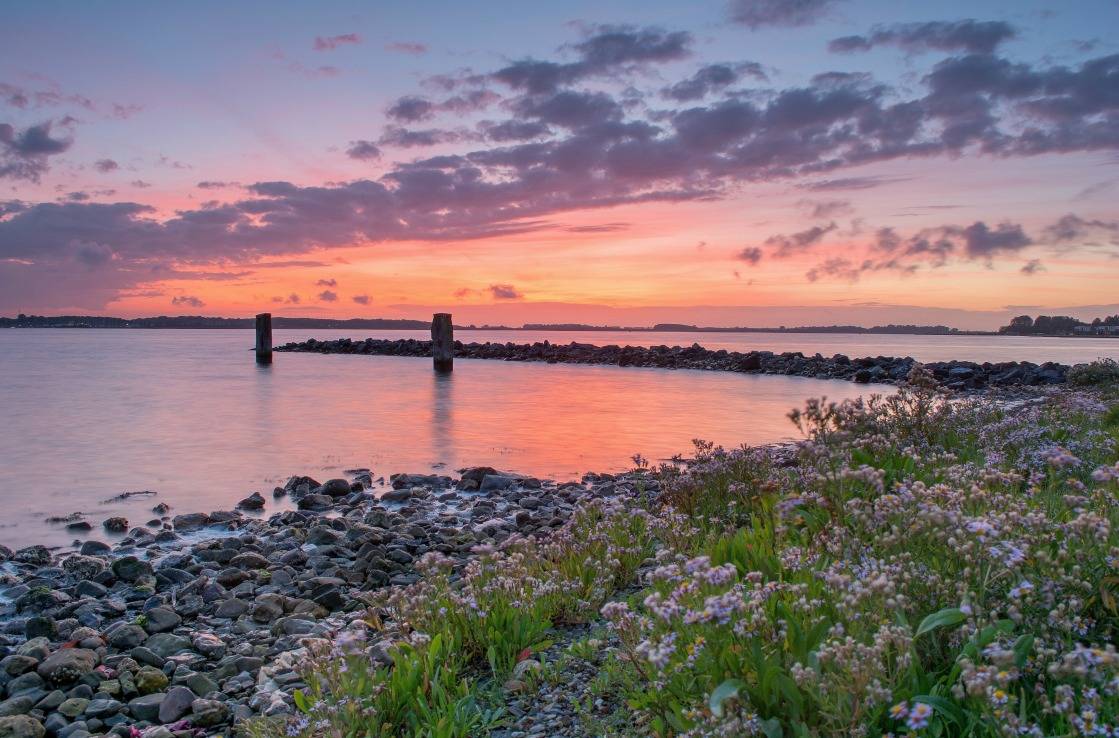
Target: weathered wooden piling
column 264, row 338
column 442, row 342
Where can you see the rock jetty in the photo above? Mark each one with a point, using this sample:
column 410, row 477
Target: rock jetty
column 196, row 622
column 955, row 375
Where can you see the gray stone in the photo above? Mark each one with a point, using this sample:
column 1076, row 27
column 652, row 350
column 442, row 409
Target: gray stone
column 21, row 726
column 161, row 620
column 67, row 665
column 102, row 708
column 130, row 568
column 208, row 713
column 190, row 521
column 147, row 707
column 166, row 644
column 335, row 488
column 127, row 636
column 175, row 704
column 73, row 707
column 232, row 608
column 16, row 706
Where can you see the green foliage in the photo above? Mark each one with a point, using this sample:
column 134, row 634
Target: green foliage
column 926, row 567
column 1099, row 372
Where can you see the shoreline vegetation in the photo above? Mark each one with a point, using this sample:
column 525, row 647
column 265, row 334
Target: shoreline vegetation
column 921, row 564
column 1043, row 326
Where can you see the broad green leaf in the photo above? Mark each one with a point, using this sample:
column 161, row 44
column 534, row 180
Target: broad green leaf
column 726, row 691
column 300, row 700
column 772, row 728
column 943, row 707
column 947, row 617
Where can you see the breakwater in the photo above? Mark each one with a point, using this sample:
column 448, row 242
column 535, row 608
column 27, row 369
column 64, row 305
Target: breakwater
column 956, row 375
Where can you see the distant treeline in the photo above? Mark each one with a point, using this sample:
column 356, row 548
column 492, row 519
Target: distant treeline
column 199, row 321
column 1061, row 325
column 934, row 330
column 279, row 322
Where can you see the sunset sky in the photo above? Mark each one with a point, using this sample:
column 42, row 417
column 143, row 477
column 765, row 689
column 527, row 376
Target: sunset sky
column 754, row 162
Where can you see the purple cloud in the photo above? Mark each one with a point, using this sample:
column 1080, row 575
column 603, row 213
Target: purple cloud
column 406, row 47
column 751, row 255
column 105, row 165
column 975, row 37
column 24, row 154
column 711, row 79
column 328, row 296
column 756, row 14
column 330, row 43
column 363, row 150
column 801, row 241
column 188, row 301
column 504, row 292
column 361, row 299
column 327, row 283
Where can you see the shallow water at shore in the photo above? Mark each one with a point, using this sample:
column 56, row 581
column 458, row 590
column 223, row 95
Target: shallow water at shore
column 92, row 414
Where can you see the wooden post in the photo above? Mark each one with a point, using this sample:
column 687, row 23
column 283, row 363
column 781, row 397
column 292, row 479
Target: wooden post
column 264, row 338
column 442, row 342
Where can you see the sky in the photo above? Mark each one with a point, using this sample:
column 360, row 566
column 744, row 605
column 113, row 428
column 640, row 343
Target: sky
column 736, row 162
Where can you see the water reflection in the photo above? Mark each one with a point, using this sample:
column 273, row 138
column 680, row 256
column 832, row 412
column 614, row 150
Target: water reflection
column 442, row 416
column 91, row 414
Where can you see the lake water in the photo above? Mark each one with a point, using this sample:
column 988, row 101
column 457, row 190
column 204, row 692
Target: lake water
column 89, row 414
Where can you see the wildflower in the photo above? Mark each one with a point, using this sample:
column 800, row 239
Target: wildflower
column 899, row 711
column 918, row 716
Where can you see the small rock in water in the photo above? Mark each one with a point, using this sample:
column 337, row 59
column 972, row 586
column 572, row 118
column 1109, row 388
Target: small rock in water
column 253, row 502
column 116, row 524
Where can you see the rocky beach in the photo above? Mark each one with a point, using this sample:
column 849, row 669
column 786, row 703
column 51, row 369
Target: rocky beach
column 196, row 621
column 954, row 375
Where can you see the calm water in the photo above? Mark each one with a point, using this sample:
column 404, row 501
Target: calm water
column 90, row 414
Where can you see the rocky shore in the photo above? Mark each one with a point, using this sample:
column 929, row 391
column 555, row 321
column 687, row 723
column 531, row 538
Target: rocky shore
column 165, row 636
column 955, row 375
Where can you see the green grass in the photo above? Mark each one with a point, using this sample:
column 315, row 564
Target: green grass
column 928, row 567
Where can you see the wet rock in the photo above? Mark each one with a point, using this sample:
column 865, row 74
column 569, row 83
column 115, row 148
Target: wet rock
column 335, row 488
column 127, row 636
column 150, row 679
column 316, row 502
column 253, row 502
column 94, row 548
column 102, row 708
column 21, row 726
column 115, row 524
column 190, row 521
column 208, row 713
column 176, row 704
column 147, row 706
column 19, row 705
column 34, row 555
column 67, row 665
column 161, row 620
column 166, row 644
column 130, row 568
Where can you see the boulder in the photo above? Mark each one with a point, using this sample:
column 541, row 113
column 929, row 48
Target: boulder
column 67, row 666
column 147, row 707
column 166, row 644
column 161, row 620
column 21, row 726
column 130, row 568
column 190, row 521
column 175, row 704
column 253, row 502
column 334, row 488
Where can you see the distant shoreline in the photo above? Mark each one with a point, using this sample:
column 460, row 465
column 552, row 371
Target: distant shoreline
column 389, row 324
